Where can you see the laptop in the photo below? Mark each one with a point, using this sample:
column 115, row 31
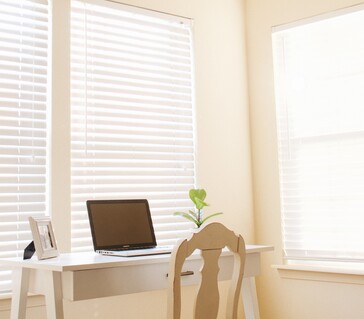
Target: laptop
column 123, row 228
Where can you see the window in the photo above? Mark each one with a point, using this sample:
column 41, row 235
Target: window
column 132, row 113
column 23, row 123
column 319, row 75
column 131, row 117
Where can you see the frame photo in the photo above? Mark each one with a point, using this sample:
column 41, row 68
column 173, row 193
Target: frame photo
column 43, row 237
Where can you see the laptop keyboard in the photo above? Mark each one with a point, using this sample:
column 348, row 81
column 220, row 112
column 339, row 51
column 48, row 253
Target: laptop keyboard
column 165, row 249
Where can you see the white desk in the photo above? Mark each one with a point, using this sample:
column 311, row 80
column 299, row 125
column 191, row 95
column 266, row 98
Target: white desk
column 80, row 276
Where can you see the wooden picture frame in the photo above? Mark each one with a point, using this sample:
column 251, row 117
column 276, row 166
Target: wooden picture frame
column 43, row 237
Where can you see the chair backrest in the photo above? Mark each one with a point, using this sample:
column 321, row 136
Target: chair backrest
column 210, row 240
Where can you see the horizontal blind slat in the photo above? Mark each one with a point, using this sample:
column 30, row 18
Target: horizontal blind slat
column 132, row 116
column 321, row 137
column 23, row 123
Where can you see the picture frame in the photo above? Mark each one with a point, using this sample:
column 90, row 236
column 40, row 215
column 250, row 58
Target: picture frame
column 43, row 237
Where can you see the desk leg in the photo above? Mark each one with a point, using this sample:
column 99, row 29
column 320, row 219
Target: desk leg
column 53, row 295
column 20, row 293
column 250, row 299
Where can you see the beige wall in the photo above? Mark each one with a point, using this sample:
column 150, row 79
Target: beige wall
column 223, row 145
column 282, row 298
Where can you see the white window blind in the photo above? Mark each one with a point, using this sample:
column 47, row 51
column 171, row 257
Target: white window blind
column 319, row 74
column 23, row 123
column 132, row 130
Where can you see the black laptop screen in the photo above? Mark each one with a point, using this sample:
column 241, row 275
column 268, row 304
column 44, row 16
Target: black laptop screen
column 120, row 224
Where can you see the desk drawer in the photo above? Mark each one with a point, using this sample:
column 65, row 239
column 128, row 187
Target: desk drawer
column 97, row 283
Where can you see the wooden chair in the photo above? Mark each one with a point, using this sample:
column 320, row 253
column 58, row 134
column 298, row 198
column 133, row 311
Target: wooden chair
column 210, row 240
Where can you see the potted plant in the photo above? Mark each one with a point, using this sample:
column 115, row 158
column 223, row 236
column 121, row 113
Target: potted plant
column 198, row 198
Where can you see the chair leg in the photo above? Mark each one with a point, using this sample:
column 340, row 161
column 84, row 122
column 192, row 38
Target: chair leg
column 250, row 298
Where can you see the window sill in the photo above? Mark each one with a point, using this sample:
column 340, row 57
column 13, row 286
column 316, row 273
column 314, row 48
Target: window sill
column 344, row 275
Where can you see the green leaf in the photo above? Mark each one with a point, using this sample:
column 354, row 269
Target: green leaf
column 192, row 213
column 212, row 215
column 200, row 204
column 197, row 193
column 188, row 216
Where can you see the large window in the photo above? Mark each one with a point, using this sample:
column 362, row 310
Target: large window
column 319, row 74
column 130, row 119
column 23, row 123
column 132, row 114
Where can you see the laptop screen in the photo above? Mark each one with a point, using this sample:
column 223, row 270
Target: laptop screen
column 120, row 224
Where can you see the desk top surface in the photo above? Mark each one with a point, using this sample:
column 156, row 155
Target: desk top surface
column 92, row 260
